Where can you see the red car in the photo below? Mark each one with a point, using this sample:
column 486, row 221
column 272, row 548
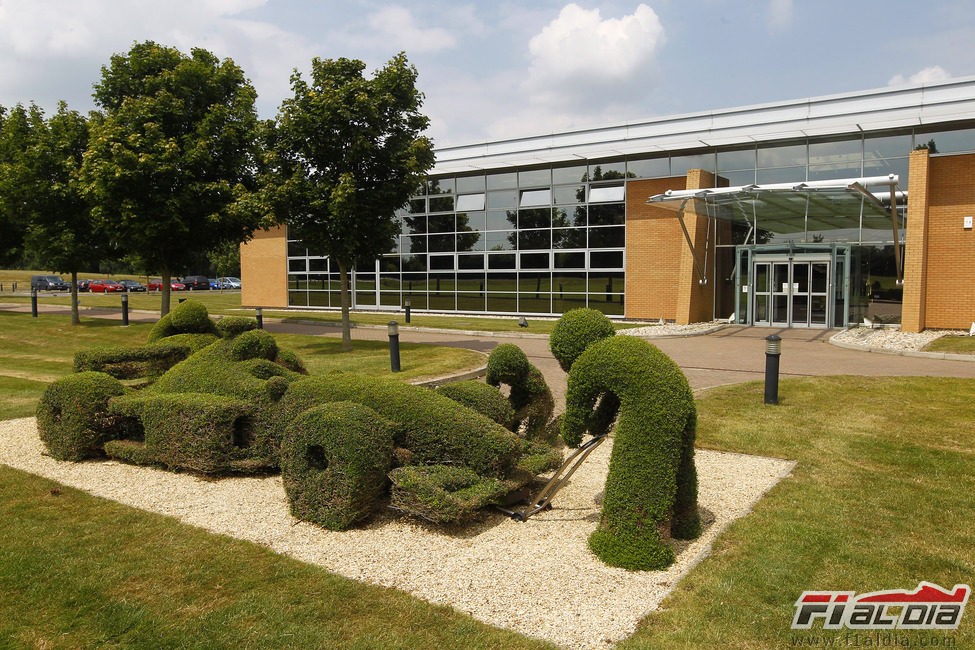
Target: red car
column 156, row 285
column 105, row 286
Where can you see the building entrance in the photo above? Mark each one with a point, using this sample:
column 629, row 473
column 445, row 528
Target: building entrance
column 791, row 291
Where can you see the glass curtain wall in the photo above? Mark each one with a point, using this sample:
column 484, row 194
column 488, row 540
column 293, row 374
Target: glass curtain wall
column 547, row 239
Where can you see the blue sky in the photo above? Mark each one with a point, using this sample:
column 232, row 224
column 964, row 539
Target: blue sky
column 500, row 69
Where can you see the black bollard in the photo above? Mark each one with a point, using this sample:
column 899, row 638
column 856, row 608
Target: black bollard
column 773, row 350
column 407, row 306
column 259, row 314
column 392, row 328
column 125, row 309
column 33, row 302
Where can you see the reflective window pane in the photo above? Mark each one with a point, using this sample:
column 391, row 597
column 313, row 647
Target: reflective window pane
column 679, row 165
column 502, row 181
column 602, row 193
column 444, row 185
column 538, row 218
column 837, row 152
column 648, row 167
column 532, row 261
column 441, row 203
column 418, row 206
column 441, row 243
column 470, row 221
column 441, row 262
column 502, row 240
column 470, row 302
column 502, row 199
column 531, row 198
column 570, row 260
column 570, row 174
column 607, row 237
column 502, row 302
column 470, row 262
column 501, row 219
column 605, row 171
column 530, row 177
column 607, row 215
column 606, row 260
column 887, row 146
column 947, row 141
column 737, row 159
column 783, row 175
column 469, row 202
column 467, row 184
column 501, row 282
column 441, row 223
column 569, row 238
column 534, row 239
column 470, row 241
column 501, row 260
column 570, row 195
column 782, row 156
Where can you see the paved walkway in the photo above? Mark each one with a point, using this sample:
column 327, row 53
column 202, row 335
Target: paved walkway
column 731, row 355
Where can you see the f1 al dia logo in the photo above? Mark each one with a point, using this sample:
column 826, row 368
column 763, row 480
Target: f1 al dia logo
column 929, row 607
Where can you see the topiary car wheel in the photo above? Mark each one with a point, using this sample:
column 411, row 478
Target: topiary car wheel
column 334, row 460
column 72, row 415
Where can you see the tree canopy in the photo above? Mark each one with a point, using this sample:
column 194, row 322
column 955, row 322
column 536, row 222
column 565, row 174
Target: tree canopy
column 172, row 161
column 16, row 135
column 60, row 233
column 347, row 153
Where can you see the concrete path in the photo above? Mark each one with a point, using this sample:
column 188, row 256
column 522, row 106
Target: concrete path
column 731, row 355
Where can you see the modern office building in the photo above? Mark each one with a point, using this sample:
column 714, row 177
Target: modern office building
column 809, row 213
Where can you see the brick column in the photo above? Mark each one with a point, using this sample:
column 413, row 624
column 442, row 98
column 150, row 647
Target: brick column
column 695, row 302
column 916, row 248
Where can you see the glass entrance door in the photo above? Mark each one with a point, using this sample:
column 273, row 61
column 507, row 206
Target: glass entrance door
column 790, row 292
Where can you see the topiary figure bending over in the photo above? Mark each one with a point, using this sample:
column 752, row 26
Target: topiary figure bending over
column 530, row 396
column 652, row 480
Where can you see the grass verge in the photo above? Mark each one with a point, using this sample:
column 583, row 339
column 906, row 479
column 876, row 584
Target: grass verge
column 34, row 352
column 82, row 572
column 881, row 499
column 952, row 345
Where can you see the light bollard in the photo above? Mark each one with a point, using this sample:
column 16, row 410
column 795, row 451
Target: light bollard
column 407, row 307
column 33, row 302
column 125, row 310
column 392, row 329
column 259, row 314
column 773, row 350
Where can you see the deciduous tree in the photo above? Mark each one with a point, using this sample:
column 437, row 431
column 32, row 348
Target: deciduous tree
column 348, row 153
column 172, row 164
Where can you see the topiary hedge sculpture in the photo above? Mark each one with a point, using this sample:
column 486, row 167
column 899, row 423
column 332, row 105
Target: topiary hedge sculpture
column 652, row 480
column 530, row 396
column 334, row 462
column 575, row 331
column 240, row 403
column 486, row 400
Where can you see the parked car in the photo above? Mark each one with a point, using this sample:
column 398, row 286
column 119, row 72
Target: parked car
column 196, row 282
column 49, row 283
column 132, row 285
column 214, row 284
column 229, row 283
column 156, row 285
column 83, row 285
column 105, row 286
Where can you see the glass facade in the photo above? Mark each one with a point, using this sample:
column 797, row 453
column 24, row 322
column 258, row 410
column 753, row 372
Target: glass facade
column 545, row 239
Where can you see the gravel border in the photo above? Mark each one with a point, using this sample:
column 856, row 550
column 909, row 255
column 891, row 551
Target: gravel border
column 890, row 340
column 537, row 577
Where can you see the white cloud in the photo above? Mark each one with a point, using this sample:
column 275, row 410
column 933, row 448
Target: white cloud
column 400, row 31
column 927, row 75
column 779, row 15
column 579, row 55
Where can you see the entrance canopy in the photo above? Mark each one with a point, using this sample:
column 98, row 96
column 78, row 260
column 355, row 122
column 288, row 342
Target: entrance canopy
column 785, row 208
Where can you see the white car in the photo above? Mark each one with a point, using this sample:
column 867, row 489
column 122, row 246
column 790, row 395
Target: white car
column 228, row 283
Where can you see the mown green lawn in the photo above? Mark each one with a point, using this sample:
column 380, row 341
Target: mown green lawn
column 952, row 344
column 34, row 352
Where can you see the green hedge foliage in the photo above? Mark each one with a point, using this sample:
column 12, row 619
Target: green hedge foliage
column 575, row 331
column 131, row 363
column 443, row 493
column 253, row 344
column 72, row 415
column 436, row 429
column 130, row 451
column 231, row 326
column 486, row 400
column 334, row 462
column 530, row 397
column 195, row 431
column 651, row 477
column 189, row 317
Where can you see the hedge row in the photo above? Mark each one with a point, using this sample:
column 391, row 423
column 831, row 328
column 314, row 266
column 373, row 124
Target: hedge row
column 72, row 415
column 443, row 493
column 478, row 396
column 651, row 477
column 130, row 363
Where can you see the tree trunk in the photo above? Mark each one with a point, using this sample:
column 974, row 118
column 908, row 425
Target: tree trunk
column 75, row 318
column 346, row 326
column 165, row 288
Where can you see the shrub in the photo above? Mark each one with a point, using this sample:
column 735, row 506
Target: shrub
column 130, row 451
column 253, row 344
column 651, row 472
column 195, row 431
column 162, row 328
column 435, row 429
column 334, row 460
column 72, row 416
column 231, row 326
column 576, row 331
column 478, row 396
column 539, row 457
column 443, row 493
column 131, row 363
column 530, row 397
column 291, row 361
column 191, row 317
column 195, row 342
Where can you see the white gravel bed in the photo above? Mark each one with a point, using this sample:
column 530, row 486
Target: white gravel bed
column 537, row 577
column 672, row 329
column 889, row 338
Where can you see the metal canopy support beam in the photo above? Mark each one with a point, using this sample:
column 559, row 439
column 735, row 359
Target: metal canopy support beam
column 893, row 221
column 697, row 262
